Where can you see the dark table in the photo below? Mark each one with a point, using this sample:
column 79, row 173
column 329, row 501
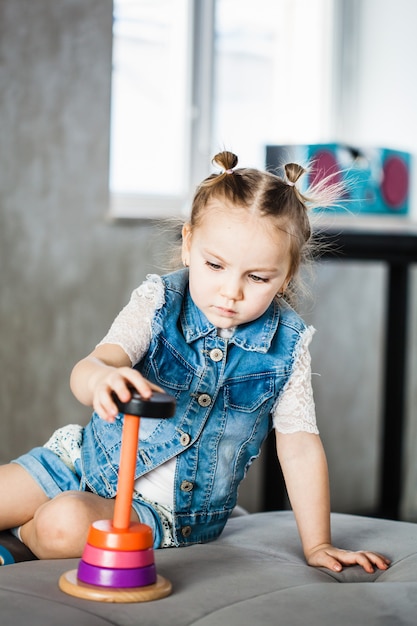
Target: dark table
column 392, row 240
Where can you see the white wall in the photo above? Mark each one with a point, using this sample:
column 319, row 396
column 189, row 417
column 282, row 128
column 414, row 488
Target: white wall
column 381, row 87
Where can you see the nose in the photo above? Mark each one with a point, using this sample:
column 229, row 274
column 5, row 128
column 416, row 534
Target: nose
column 231, row 289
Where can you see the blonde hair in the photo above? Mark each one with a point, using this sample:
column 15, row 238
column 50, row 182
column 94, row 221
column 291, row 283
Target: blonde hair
column 272, row 196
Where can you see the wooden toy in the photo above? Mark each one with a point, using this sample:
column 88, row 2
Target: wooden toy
column 117, row 564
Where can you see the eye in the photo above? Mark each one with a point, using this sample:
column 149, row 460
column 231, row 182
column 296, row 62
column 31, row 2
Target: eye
column 213, row 266
column 257, row 279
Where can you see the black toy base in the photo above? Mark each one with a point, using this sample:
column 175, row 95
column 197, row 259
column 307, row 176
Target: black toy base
column 12, row 550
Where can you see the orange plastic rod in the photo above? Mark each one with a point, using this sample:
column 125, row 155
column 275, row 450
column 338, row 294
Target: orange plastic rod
column 126, row 480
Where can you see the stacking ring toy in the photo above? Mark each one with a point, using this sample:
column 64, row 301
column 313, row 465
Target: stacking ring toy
column 117, row 564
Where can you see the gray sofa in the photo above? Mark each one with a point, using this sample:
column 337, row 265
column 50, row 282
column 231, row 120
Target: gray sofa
column 254, row 574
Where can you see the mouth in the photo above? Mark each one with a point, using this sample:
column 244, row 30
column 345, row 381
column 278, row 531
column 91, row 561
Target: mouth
column 225, row 312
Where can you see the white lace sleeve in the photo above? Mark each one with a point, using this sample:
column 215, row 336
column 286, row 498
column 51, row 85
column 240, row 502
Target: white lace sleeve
column 295, row 410
column 131, row 329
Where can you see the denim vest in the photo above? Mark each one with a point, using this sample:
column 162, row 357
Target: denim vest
column 225, row 390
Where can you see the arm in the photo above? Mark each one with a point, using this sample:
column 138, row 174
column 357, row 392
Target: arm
column 107, row 369
column 304, row 466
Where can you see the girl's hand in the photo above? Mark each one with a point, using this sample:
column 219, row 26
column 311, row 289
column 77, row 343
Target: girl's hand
column 107, row 370
column 118, row 380
column 334, row 559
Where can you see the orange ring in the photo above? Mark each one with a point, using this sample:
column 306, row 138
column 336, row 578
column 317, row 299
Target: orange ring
column 102, row 534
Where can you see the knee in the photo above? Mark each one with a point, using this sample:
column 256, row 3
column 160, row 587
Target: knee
column 60, row 527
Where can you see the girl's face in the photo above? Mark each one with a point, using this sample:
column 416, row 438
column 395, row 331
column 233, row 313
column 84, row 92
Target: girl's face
column 238, row 263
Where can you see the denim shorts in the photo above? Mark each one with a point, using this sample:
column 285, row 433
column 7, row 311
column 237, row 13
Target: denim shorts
column 50, row 472
column 57, row 468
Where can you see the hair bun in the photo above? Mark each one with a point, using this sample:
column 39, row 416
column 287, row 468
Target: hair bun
column 227, row 161
column 293, row 172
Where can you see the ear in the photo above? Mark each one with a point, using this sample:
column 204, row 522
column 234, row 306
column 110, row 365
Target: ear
column 285, row 285
column 186, row 243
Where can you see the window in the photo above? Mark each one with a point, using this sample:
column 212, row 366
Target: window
column 150, row 106
column 191, row 77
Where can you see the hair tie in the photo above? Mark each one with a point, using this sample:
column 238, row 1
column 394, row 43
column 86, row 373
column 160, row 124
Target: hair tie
column 290, row 183
column 228, row 172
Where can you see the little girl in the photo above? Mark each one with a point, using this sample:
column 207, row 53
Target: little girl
column 219, row 336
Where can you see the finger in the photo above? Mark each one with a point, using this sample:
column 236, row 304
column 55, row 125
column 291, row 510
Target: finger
column 120, row 386
column 346, row 557
column 365, row 563
column 143, row 386
column 333, row 564
column 367, row 560
column 157, row 388
column 106, row 409
column 104, row 402
column 379, row 560
column 324, row 559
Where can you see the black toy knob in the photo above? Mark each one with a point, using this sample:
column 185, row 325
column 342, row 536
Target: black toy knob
column 159, row 405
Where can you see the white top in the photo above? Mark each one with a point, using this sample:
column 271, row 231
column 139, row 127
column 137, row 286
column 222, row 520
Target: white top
column 293, row 411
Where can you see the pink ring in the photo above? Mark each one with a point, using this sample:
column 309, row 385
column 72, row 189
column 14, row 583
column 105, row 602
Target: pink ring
column 117, row 558
column 111, row 577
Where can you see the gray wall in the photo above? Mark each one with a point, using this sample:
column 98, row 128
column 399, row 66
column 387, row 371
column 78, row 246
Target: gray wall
column 348, row 312
column 65, row 270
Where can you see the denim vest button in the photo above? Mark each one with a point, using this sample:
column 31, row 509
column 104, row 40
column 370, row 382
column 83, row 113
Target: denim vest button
column 204, row 399
column 185, row 439
column 186, row 531
column 186, row 486
column 216, row 354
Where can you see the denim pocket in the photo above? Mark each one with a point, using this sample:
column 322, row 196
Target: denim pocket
column 167, row 368
column 248, row 393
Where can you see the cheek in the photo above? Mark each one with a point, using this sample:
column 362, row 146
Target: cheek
column 261, row 301
column 195, row 283
column 203, row 284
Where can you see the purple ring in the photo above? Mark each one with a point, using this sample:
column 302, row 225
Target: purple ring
column 112, row 577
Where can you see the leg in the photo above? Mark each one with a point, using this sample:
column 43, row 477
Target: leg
column 60, row 527
column 20, row 496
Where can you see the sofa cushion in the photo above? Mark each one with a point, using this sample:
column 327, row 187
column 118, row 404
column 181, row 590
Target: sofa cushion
column 255, row 573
